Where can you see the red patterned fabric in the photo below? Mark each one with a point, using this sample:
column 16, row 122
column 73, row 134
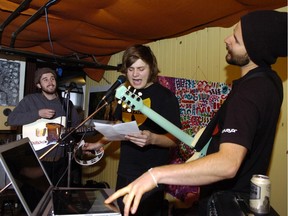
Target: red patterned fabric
column 198, row 101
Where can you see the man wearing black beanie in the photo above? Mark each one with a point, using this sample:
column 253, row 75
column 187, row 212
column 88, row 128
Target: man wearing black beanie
column 265, row 36
column 242, row 131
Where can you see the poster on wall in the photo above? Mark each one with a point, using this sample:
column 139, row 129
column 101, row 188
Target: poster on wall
column 12, row 76
column 198, row 101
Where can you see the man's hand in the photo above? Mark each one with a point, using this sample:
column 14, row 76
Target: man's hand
column 133, row 193
column 46, row 113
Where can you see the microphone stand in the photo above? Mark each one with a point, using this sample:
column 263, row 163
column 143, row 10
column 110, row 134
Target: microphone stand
column 68, row 145
column 109, row 100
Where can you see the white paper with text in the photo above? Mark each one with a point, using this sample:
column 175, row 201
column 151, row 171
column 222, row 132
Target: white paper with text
column 117, row 131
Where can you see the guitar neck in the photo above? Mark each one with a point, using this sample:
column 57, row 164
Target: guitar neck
column 167, row 125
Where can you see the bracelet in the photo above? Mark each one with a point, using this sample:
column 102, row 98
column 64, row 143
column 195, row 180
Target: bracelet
column 153, row 177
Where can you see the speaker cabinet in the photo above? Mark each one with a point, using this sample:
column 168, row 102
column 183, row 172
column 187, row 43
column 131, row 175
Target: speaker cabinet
column 4, row 112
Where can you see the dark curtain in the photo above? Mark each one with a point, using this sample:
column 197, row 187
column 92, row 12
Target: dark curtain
column 29, row 86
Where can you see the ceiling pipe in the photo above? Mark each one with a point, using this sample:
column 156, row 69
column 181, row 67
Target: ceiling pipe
column 13, row 15
column 57, row 59
column 34, row 17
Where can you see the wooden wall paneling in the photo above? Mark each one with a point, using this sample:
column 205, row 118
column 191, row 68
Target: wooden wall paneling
column 279, row 168
column 215, row 43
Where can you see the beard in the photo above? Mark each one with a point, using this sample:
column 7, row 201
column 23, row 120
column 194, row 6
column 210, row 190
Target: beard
column 49, row 90
column 238, row 60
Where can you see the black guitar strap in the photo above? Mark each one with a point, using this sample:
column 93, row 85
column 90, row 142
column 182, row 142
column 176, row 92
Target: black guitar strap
column 207, row 133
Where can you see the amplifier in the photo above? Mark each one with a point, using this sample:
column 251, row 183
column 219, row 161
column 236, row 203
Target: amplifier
column 4, row 112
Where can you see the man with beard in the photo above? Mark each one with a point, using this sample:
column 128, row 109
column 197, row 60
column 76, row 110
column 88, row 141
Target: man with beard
column 46, row 104
column 242, row 131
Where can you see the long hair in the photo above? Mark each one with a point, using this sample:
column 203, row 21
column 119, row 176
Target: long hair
column 138, row 51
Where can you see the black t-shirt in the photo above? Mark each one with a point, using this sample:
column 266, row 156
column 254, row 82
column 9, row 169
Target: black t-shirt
column 249, row 118
column 135, row 160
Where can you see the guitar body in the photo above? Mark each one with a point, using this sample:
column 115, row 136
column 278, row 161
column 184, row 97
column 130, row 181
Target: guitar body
column 44, row 132
column 201, row 153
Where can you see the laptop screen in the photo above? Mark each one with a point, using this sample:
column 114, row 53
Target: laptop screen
column 26, row 174
column 82, row 201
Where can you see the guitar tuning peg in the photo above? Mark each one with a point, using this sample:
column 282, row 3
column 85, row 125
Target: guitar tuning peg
column 129, row 110
column 139, row 94
column 119, row 101
column 128, row 90
column 124, row 106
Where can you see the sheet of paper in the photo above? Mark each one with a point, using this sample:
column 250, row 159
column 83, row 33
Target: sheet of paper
column 117, row 131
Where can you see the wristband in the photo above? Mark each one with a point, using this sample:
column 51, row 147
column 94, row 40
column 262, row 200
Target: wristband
column 153, row 177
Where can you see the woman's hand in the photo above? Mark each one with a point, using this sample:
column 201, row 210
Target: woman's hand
column 92, row 146
column 142, row 139
column 95, row 146
column 148, row 138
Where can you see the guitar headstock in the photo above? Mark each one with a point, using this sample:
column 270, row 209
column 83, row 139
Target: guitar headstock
column 131, row 99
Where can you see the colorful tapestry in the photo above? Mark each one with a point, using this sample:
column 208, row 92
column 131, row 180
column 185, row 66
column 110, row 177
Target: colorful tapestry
column 198, row 101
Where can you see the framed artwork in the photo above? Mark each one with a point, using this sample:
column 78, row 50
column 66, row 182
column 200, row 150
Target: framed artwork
column 12, row 77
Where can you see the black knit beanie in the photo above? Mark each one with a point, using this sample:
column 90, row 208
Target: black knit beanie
column 265, row 36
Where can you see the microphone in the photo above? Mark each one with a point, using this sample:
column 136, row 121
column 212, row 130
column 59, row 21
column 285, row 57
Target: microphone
column 71, row 86
column 120, row 80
